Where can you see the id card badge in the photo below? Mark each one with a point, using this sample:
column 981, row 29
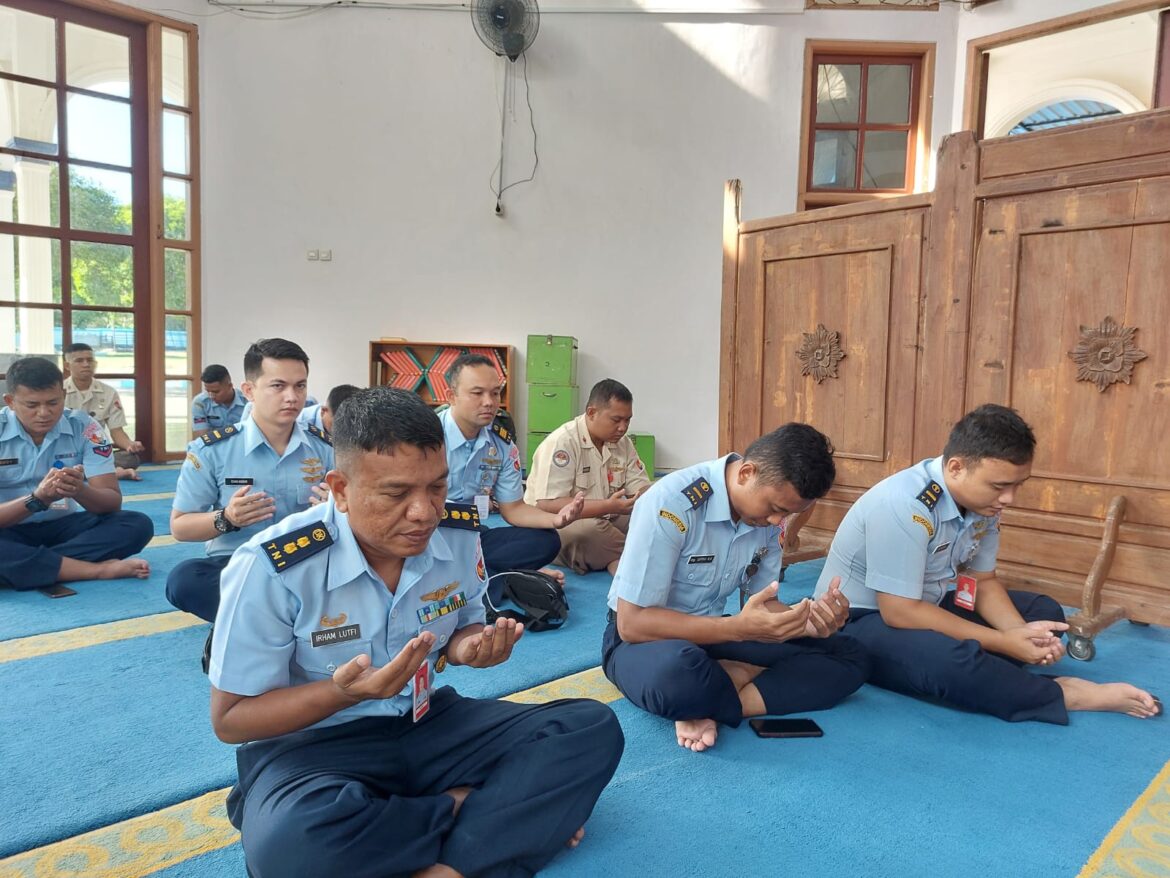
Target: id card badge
column 422, row 690
column 965, row 592
column 483, row 505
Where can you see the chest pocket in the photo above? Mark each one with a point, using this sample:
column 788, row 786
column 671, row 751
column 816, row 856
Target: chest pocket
column 10, row 474
column 442, row 627
column 698, row 575
column 320, row 662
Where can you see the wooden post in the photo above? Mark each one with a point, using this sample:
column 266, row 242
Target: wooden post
column 732, row 193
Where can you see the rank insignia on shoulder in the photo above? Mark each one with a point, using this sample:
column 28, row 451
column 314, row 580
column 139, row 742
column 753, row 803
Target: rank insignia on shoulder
column 213, row 436
column 320, row 434
column 930, row 495
column 501, row 431
column 462, row 515
column 698, row 492
column 291, row 548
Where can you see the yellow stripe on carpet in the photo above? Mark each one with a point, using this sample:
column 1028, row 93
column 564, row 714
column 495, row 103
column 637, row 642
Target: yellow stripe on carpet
column 94, row 635
column 134, row 848
column 139, row 498
column 1139, row 845
column 144, row 845
column 161, row 540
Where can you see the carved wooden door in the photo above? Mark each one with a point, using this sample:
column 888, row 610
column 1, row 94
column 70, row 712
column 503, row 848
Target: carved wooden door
column 1070, row 324
column 826, row 333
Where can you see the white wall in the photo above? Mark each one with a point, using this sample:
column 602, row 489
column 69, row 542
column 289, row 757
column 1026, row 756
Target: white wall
column 373, row 133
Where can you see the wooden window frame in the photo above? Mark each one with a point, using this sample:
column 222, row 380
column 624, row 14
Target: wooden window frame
column 149, row 224
column 880, row 7
column 975, row 85
column 922, row 101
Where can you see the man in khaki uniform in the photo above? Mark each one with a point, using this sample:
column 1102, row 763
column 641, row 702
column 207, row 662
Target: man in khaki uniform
column 101, row 402
column 591, row 454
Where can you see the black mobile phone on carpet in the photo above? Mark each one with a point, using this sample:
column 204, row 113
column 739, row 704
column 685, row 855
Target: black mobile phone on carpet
column 785, row 728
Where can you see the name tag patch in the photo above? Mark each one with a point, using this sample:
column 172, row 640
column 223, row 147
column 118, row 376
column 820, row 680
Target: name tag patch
column 10, row 461
column 238, row 480
column 438, row 609
column 330, row 636
column 941, row 547
column 700, row 559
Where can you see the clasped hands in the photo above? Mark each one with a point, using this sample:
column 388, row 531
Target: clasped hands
column 60, row 483
column 769, row 620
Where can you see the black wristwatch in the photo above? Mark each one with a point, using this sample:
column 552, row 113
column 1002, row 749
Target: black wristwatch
column 222, row 525
column 35, row 504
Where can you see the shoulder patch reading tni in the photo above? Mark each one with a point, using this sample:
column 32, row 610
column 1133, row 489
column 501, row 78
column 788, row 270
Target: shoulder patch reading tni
column 698, row 492
column 930, row 495
column 299, row 545
column 461, row 515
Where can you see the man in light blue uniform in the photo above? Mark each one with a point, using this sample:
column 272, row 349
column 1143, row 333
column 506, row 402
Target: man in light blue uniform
column 697, row 536
column 484, row 467
column 332, row 628
column 916, row 555
column 320, row 415
column 240, row 479
column 61, row 517
column 219, row 405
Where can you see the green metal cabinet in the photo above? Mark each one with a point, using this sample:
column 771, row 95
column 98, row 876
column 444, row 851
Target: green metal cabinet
column 644, row 445
column 550, row 405
column 552, row 359
column 534, row 439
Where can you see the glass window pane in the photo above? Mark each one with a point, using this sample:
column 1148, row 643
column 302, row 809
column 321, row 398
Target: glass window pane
column 32, row 49
column 176, row 209
column 838, row 92
column 99, row 200
column 887, row 96
column 32, row 117
column 883, row 161
column 126, row 391
column 29, row 331
column 175, row 148
column 177, row 275
column 176, row 343
column 30, row 269
column 834, row 160
column 177, row 406
column 34, row 187
column 97, row 60
column 102, row 274
column 111, row 335
column 174, row 52
column 99, row 130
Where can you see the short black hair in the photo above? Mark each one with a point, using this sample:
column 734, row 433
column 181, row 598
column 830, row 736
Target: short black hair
column 338, row 395
column 33, row 373
column 798, row 454
column 608, row 390
column 465, row 361
column 75, row 347
column 271, row 349
column 991, row 431
column 215, row 373
column 380, row 419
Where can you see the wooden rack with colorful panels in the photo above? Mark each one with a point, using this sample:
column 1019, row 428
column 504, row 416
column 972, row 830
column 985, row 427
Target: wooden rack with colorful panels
column 424, row 367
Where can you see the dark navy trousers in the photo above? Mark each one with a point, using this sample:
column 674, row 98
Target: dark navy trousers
column 33, row 551
column 681, row 680
column 931, row 665
column 364, row 799
column 516, row 548
column 193, row 585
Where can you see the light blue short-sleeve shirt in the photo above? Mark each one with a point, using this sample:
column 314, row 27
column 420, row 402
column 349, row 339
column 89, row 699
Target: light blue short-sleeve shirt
column 207, row 414
column 75, row 439
column 299, row 600
column 488, row 463
column 684, row 551
column 906, row 536
column 221, row 462
column 311, row 415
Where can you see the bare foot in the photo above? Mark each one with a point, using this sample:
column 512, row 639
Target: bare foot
column 130, row 568
column 558, row 575
column 696, row 734
column 576, row 839
column 128, row 474
column 1114, row 697
column 458, row 794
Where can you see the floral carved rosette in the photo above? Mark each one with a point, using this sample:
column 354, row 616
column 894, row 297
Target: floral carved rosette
column 1106, row 354
column 819, row 353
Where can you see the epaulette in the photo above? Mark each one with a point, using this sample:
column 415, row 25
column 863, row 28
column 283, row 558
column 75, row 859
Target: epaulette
column 930, row 495
column 461, row 515
column 298, row 545
column 320, row 434
column 698, row 492
column 213, row 436
column 501, row 431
